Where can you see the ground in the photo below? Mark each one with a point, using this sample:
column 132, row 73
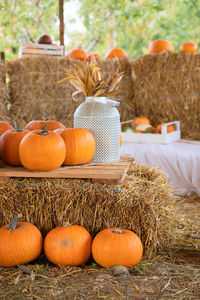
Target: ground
column 166, row 276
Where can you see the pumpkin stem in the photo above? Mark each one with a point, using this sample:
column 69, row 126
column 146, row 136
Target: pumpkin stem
column 13, row 223
column 43, row 131
column 117, row 231
column 17, row 127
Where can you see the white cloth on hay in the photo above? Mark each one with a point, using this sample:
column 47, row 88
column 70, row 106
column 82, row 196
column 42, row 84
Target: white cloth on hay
column 179, row 160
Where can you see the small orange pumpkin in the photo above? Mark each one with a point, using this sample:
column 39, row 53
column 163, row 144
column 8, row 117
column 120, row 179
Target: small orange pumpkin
column 78, row 54
column 9, row 145
column 5, row 126
column 49, row 125
column 158, row 46
column 80, row 146
column 170, row 128
column 68, row 245
column 189, row 47
column 116, row 52
column 116, row 246
column 20, row 243
column 141, row 121
column 42, row 150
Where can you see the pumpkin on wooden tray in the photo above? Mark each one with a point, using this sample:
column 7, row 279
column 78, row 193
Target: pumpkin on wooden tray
column 42, row 150
column 80, row 146
column 9, row 145
column 4, row 126
column 49, row 125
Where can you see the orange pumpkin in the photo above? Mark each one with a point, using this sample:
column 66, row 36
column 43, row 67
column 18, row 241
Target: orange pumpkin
column 20, row 243
column 158, row 46
column 70, row 245
column 170, row 128
column 49, row 125
column 116, row 52
column 9, row 145
column 79, row 54
column 5, row 126
column 80, row 146
column 189, row 47
column 116, row 246
column 42, row 150
column 95, row 55
column 141, row 121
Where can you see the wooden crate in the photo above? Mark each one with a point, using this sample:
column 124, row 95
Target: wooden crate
column 27, row 50
column 111, row 173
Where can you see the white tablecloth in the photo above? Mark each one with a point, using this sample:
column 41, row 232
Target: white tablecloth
column 179, row 160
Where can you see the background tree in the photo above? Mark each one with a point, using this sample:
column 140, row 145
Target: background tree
column 128, row 24
column 132, row 25
column 22, row 21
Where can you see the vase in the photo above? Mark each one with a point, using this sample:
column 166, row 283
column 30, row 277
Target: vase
column 102, row 118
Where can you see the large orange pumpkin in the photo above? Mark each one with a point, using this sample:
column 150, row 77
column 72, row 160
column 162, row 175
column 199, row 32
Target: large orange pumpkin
column 9, row 145
column 116, row 246
column 49, row 125
column 20, row 243
column 68, row 245
column 42, row 150
column 80, row 146
column 5, row 126
column 116, row 52
column 79, row 54
column 189, row 47
column 141, row 121
column 158, row 46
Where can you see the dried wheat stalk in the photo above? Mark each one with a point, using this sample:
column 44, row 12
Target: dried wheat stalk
column 87, row 79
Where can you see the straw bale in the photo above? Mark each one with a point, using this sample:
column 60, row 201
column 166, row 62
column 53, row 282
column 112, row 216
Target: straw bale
column 167, row 89
column 144, row 203
column 35, row 93
column 4, row 99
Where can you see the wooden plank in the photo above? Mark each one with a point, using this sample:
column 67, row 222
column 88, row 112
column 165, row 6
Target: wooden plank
column 109, row 172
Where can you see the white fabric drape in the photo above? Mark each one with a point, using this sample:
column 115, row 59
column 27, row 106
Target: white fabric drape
column 179, row 160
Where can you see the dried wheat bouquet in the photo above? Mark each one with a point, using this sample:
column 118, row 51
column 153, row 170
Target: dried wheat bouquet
column 87, row 79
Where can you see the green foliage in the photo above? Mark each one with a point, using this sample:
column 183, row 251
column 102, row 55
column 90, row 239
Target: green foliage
column 127, row 24
column 132, row 25
column 22, row 21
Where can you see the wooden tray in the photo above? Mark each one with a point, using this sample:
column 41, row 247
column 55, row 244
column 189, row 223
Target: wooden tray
column 111, row 173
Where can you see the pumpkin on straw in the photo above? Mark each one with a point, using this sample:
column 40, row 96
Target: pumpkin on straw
column 87, row 79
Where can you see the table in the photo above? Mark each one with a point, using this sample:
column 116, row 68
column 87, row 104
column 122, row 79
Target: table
column 179, row 160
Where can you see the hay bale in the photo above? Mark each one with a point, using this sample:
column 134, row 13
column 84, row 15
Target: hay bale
column 144, row 203
column 4, row 98
column 33, row 84
column 167, row 89
column 35, row 93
